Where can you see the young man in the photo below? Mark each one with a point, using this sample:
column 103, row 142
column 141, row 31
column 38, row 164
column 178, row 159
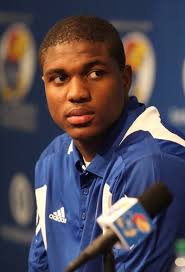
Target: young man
column 113, row 146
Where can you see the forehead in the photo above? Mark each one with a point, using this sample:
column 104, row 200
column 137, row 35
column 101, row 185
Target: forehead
column 76, row 52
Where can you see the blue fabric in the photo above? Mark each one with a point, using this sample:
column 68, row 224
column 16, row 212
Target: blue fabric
column 128, row 169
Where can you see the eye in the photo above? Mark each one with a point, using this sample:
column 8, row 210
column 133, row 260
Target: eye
column 96, row 74
column 57, row 78
column 60, row 78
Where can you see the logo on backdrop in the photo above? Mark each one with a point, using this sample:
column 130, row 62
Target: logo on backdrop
column 140, row 55
column 21, row 199
column 17, row 54
column 21, row 203
column 17, row 68
column 176, row 114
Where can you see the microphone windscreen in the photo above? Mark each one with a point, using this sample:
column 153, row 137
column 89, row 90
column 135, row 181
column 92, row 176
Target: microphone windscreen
column 155, row 198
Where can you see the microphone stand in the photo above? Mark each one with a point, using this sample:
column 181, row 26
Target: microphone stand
column 91, row 251
column 109, row 262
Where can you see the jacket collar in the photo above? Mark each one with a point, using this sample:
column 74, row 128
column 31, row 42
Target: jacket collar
column 100, row 162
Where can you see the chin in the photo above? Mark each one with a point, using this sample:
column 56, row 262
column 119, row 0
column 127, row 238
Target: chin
column 82, row 137
column 84, row 134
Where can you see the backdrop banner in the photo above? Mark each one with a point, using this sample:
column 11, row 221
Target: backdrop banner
column 153, row 35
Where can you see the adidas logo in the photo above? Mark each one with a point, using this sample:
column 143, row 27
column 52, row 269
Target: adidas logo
column 59, row 216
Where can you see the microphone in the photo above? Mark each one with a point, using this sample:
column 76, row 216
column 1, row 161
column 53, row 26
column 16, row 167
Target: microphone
column 121, row 225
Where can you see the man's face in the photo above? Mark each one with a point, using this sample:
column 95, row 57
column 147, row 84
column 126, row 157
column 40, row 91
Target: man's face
column 85, row 88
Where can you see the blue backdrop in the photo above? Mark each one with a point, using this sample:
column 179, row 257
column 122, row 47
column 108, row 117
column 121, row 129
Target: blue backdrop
column 153, row 34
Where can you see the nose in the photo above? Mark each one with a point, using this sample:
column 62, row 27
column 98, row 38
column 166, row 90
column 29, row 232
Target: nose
column 78, row 91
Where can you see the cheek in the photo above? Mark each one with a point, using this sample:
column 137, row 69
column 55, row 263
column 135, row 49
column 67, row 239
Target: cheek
column 114, row 106
column 54, row 102
column 111, row 100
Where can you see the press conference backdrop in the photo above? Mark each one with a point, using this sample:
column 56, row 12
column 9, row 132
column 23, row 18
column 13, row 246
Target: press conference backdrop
column 153, row 34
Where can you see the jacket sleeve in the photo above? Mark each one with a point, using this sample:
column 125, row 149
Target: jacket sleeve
column 37, row 261
column 156, row 253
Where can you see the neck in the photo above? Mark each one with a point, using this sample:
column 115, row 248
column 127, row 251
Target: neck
column 89, row 148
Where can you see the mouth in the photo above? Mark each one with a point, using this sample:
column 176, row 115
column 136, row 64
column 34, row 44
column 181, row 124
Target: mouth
column 80, row 116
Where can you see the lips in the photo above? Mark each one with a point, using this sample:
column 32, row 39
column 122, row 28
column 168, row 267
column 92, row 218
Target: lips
column 80, row 116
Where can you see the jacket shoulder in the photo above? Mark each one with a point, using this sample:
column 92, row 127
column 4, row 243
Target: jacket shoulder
column 60, row 145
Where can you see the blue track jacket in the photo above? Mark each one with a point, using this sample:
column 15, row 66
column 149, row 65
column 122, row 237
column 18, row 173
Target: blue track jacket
column 140, row 151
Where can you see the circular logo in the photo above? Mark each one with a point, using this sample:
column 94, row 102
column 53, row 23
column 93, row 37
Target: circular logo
column 17, row 62
column 21, row 199
column 140, row 55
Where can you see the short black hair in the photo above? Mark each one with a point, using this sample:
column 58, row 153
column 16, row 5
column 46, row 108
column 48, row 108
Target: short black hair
column 88, row 28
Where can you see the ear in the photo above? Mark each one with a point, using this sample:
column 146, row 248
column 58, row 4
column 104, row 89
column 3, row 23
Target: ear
column 43, row 78
column 127, row 78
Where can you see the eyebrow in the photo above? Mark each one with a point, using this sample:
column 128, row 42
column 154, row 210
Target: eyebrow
column 89, row 65
column 54, row 71
column 85, row 67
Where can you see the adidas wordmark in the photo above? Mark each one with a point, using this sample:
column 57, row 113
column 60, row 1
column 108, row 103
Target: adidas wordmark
column 59, row 216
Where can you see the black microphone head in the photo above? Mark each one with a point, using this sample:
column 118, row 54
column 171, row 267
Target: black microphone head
column 155, row 198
